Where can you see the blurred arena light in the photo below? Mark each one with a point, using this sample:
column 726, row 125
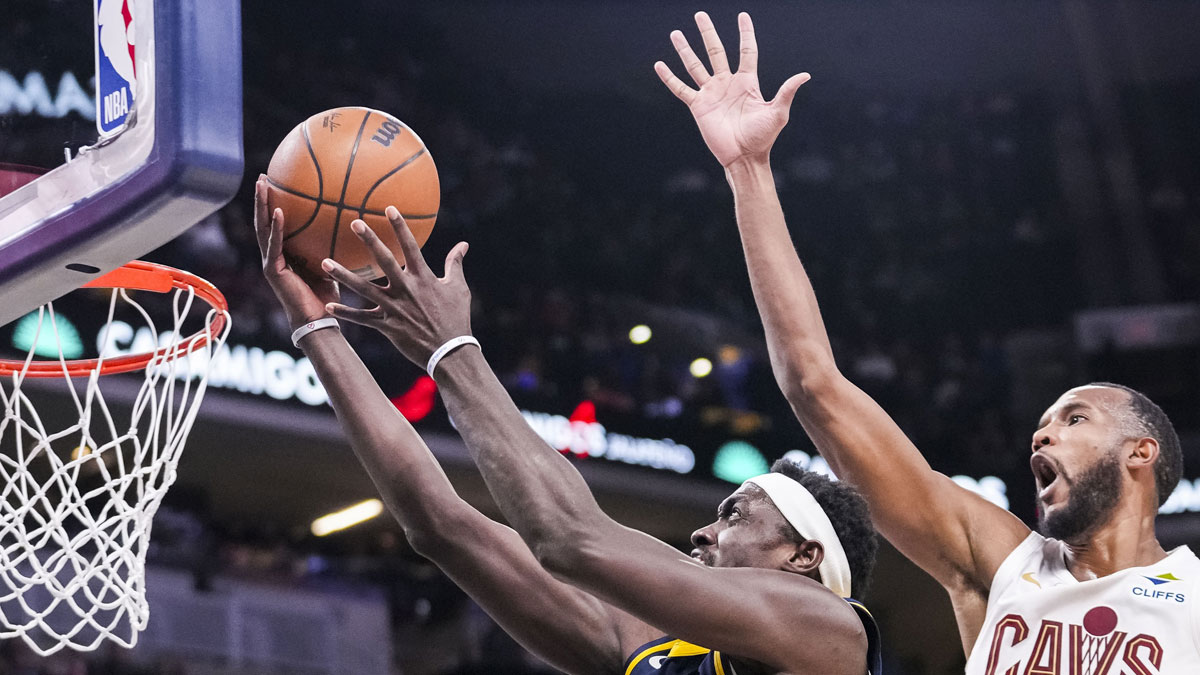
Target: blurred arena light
column 729, row 355
column 701, row 367
column 46, row 335
column 640, row 334
column 416, row 403
column 736, row 461
column 347, row 517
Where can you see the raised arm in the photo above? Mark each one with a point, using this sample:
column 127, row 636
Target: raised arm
column 952, row 533
column 551, row 507
column 567, row 627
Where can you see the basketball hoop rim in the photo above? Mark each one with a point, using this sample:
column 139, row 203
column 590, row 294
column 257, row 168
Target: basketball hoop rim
column 137, row 275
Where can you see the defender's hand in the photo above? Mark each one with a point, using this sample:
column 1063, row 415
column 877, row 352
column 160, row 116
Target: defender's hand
column 417, row 310
column 303, row 296
column 734, row 118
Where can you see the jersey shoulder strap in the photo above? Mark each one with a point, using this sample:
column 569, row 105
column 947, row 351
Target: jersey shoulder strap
column 874, row 651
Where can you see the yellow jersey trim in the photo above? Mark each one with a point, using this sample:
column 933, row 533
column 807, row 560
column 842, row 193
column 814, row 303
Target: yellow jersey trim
column 681, row 648
column 717, row 663
column 647, row 652
column 678, row 648
column 855, row 603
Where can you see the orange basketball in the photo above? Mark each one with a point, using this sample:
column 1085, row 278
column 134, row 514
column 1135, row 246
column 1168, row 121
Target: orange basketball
column 349, row 163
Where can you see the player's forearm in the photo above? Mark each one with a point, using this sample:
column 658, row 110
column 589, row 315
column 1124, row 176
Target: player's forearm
column 862, row 444
column 408, row 477
column 797, row 342
column 484, row 558
column 541, row 495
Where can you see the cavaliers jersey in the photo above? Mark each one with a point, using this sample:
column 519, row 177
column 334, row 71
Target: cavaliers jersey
column 1041, row 620
column 668, row 656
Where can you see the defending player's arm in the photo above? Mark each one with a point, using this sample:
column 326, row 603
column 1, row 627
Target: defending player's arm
column 569, row 628
column 953, row 534
column 752, row 613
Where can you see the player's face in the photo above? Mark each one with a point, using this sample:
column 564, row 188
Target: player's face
column 1076, row 461
column 749, row 532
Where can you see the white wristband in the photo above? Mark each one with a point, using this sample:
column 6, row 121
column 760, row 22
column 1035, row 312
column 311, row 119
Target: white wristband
column 451, row 345
column 327, row 322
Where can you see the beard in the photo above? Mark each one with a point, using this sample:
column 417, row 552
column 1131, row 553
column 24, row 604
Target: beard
column 1093, row 497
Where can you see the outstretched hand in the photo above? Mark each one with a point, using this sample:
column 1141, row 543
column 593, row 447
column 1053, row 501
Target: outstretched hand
column 417, row 310
column 734, row 118
column 302, row 295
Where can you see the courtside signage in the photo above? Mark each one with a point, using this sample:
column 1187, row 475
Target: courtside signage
column 32, row 96
column 116, row 70
column 591, row 439
column 250, row 370
column 279, row 375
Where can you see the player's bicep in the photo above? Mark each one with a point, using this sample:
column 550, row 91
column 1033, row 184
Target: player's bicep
column 976, row 536
column 569, row 628
column 757, row 614
column 949, row 531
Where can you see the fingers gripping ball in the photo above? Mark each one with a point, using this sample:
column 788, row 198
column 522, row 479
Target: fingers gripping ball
column 344, row 164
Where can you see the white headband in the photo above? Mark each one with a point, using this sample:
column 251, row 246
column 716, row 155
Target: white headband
column 809, row 519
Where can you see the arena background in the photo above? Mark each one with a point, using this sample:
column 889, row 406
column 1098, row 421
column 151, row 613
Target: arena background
column 996, row 201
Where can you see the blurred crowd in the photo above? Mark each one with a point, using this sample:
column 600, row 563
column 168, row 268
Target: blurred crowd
column 1161, row 124
column 932, row 226
column 918, row 217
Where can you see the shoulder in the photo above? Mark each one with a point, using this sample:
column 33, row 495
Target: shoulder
column 852, row 640
column 1035, row 554
column 998, row 574
column 992, row 536
column 847, row 628
column 974, row 597
column 1184, row 553
column 1183, row 557
column 823, row 606
column 836, row 636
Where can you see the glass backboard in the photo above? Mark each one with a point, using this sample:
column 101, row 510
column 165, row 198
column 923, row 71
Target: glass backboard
column 118, row 174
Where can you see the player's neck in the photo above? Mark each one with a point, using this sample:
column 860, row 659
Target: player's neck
column 1126, row 540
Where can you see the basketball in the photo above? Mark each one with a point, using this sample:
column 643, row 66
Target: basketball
column 349, row 163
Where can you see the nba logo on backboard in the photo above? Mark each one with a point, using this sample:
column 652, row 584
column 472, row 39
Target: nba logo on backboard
column 116, row 72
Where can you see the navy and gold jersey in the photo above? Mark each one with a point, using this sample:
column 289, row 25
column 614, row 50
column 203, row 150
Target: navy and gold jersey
column 669, row 656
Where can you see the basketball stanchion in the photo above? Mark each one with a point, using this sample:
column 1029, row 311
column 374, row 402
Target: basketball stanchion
column 77, row 498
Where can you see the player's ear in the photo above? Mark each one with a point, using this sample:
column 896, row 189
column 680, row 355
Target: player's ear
column 1144, row 453
column 805, row 558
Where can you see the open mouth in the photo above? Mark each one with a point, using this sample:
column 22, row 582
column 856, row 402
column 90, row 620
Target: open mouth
column 1044, row 472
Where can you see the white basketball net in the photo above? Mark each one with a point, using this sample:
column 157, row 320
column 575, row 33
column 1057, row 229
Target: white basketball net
column 77, row 496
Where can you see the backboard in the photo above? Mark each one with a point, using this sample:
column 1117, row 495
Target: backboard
column 125, row 171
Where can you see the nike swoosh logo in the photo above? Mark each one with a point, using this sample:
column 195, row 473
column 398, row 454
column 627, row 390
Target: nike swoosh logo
column 657, row 662
column 1028, row 576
